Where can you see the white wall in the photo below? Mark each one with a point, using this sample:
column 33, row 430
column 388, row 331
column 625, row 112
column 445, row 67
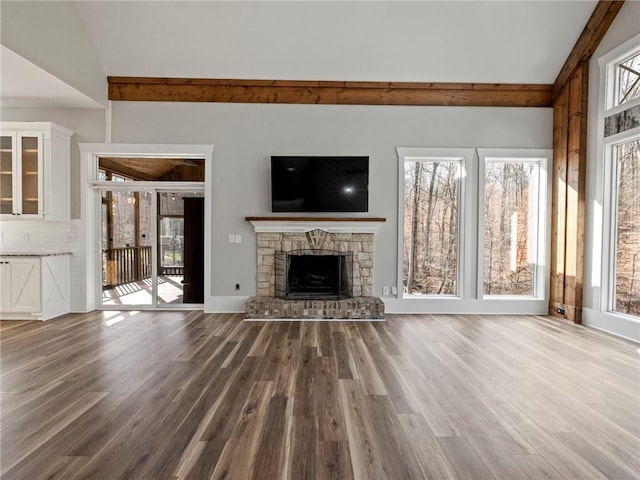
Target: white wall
column 624, row 27
column 52, row 36
column 245, row 136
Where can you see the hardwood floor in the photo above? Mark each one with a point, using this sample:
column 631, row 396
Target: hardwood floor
column 183, row 395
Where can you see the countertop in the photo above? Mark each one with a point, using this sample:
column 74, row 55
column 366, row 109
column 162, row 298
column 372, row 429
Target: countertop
column 39, row 253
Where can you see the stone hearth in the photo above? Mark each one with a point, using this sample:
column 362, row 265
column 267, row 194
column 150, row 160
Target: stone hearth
column 273, row 308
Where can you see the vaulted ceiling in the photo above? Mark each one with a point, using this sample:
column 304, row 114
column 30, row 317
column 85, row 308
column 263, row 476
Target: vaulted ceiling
column 432, row 41
column 399, row 41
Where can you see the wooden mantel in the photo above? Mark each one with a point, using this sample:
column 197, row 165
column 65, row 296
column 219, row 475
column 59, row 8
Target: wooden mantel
column 315, row 219
column 306, row 224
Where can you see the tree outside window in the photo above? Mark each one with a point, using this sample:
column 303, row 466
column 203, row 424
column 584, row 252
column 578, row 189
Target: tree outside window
column 510, row 226
column 627, row 228
column 628, row 79
column 431, row 222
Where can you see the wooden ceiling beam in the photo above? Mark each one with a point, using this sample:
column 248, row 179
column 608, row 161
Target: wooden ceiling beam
column 329, row 92
column 603, row 15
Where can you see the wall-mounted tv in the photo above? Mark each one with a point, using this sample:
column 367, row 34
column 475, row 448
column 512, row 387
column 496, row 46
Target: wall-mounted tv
column 319, row 184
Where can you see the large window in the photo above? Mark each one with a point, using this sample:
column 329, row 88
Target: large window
column 625, row 158
column 473, row 228
column 511, row 225
column 432, row 213
column 615, row 267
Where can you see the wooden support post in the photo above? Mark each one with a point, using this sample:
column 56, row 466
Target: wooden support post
column 570, row 95
column 137, row 257
column 111, row 273
column 558, row 203
column 569, row 170
column 159, row 252
column 576, row 184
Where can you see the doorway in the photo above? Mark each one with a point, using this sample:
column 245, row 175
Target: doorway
column 152, row 248
column 152, row 233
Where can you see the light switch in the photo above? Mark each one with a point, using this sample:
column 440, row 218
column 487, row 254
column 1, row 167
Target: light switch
column 238, row 238
column 232, row 238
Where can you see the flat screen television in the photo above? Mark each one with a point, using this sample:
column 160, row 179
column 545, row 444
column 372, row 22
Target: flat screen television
column 319, row 184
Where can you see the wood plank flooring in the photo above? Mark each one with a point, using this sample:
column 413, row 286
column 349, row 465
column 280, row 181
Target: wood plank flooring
column 184, row 395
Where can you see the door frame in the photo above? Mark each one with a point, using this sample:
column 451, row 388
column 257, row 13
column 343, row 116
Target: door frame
column 132, row 187
column 86, row 268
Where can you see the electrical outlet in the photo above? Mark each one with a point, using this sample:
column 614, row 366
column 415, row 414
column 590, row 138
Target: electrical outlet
column 385, row 290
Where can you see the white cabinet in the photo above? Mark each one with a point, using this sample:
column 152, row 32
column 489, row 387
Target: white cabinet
column 34, row 170
column 34, row 287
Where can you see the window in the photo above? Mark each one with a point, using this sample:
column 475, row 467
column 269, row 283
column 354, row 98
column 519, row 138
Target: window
column 432, row 212
column 511, row 225
column 615, row 256
column 621, row 77
column 171, row 241
column 152, row 169
column 473, row 228
column 625, row 158
column 627, row 79
column 171, row 213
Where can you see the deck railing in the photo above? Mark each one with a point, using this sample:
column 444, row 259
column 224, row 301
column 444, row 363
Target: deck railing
column 130, row 264
column 125, row 264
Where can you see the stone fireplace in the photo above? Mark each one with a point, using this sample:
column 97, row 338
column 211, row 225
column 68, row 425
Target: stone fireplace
column 347, row 247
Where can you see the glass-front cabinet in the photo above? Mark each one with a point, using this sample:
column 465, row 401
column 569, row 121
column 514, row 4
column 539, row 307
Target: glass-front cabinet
column 21, row 174
column 34, row 170
column 30, row 170
column 7, row 173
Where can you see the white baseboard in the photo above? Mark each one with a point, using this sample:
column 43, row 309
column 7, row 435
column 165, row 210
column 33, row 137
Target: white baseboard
column 619, row 325
column 225, row 304
column 235, row 304
column 499, row 306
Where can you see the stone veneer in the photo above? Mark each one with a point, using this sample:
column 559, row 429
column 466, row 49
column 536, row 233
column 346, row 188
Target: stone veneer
column 361, row 244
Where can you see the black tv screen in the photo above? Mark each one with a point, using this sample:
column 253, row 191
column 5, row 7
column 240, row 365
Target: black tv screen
column 319, row 184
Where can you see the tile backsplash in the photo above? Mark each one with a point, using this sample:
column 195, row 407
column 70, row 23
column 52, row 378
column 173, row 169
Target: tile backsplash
column 37, row 235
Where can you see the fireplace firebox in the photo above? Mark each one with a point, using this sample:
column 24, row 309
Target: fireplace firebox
column 313, row 274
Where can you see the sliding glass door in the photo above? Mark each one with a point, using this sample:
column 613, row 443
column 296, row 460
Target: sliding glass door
column 152, row 231
column 152, row 248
